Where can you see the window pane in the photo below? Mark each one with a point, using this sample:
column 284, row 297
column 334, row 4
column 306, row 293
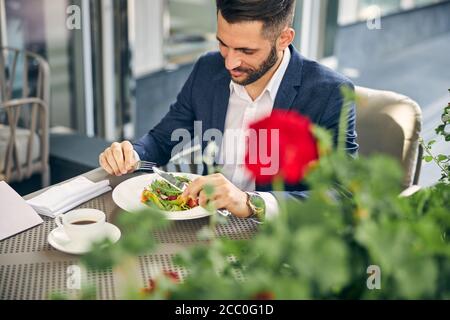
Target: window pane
column 191, row 29
column 352, row 11
column 40, row 27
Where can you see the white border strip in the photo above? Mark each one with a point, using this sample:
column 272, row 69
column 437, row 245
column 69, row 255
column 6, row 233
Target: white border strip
column 87, row 68
column 312, row 23
column 108, row 69
column 3, row 38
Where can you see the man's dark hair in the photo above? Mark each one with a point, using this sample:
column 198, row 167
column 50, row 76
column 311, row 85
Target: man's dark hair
column 275, row 14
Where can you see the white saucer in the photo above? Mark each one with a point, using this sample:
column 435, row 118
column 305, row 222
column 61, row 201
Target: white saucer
column 112, row 232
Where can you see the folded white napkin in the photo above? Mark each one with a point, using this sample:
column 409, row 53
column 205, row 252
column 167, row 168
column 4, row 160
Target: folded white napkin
column 62, row 198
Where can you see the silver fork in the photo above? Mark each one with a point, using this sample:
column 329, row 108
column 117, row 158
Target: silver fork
column 144, row 166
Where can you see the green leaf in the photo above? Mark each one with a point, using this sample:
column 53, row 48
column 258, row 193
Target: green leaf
column 319, row 247
column 440, row 129
column 324, row 138
column 89, row 292
column 102, row 256
column 209, row 190
column 321, row 258
column 58, row 296
column 424, row 272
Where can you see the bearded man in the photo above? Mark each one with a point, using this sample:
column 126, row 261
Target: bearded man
column 255, row 71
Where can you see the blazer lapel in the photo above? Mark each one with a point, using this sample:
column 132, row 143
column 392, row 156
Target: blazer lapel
column 220, row 102
column 291, row 82
column 221, row 85
column 288, row 91
column 285, row 97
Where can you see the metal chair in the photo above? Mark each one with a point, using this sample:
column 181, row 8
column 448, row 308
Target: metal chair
column 24, row 98
column 390, row 123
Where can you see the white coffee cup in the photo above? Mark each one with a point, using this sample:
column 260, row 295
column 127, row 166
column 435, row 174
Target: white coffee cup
column 82, row 226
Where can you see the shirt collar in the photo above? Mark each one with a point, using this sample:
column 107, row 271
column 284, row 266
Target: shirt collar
column 274, row 83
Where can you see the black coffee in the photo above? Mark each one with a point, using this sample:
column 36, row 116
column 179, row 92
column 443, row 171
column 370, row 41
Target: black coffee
column 81, row 222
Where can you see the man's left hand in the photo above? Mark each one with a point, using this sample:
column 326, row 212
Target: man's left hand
column 225, row 194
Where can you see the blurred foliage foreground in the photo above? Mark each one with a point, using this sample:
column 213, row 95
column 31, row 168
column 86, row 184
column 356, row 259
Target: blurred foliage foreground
column 354, row 237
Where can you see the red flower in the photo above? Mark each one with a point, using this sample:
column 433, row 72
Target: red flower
column 286, row 152
column 264, row 295
column 172, row 275
column 152, row 283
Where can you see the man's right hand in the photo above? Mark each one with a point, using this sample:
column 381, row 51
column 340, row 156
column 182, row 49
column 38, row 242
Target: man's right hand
column 118, row 159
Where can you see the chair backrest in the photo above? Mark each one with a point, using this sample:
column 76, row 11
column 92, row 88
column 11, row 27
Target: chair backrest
column 390, row 123
column 24, row 98
column 26, row 71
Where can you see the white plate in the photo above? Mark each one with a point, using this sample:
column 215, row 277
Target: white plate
column 127, row 195
column 112, row 232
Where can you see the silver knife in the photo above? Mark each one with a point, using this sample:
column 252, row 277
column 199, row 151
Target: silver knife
column 180, row 186
column 170, row 179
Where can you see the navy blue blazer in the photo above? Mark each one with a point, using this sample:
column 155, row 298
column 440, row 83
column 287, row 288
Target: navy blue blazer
column 307, row 87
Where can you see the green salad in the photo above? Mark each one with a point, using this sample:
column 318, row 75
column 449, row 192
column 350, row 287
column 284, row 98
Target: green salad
column 163, row 196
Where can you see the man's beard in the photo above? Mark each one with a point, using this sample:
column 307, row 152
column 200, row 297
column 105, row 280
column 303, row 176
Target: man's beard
column 255, row 75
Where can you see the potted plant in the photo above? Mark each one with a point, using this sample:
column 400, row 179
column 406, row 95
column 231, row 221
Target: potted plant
column 353, row 237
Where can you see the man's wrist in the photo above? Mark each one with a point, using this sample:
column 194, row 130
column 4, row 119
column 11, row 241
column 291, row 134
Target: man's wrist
column 257, row 207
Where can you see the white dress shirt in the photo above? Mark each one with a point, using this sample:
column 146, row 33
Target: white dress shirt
column 241, row 112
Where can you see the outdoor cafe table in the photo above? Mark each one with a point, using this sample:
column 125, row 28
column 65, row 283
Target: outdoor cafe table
column 30, row 268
